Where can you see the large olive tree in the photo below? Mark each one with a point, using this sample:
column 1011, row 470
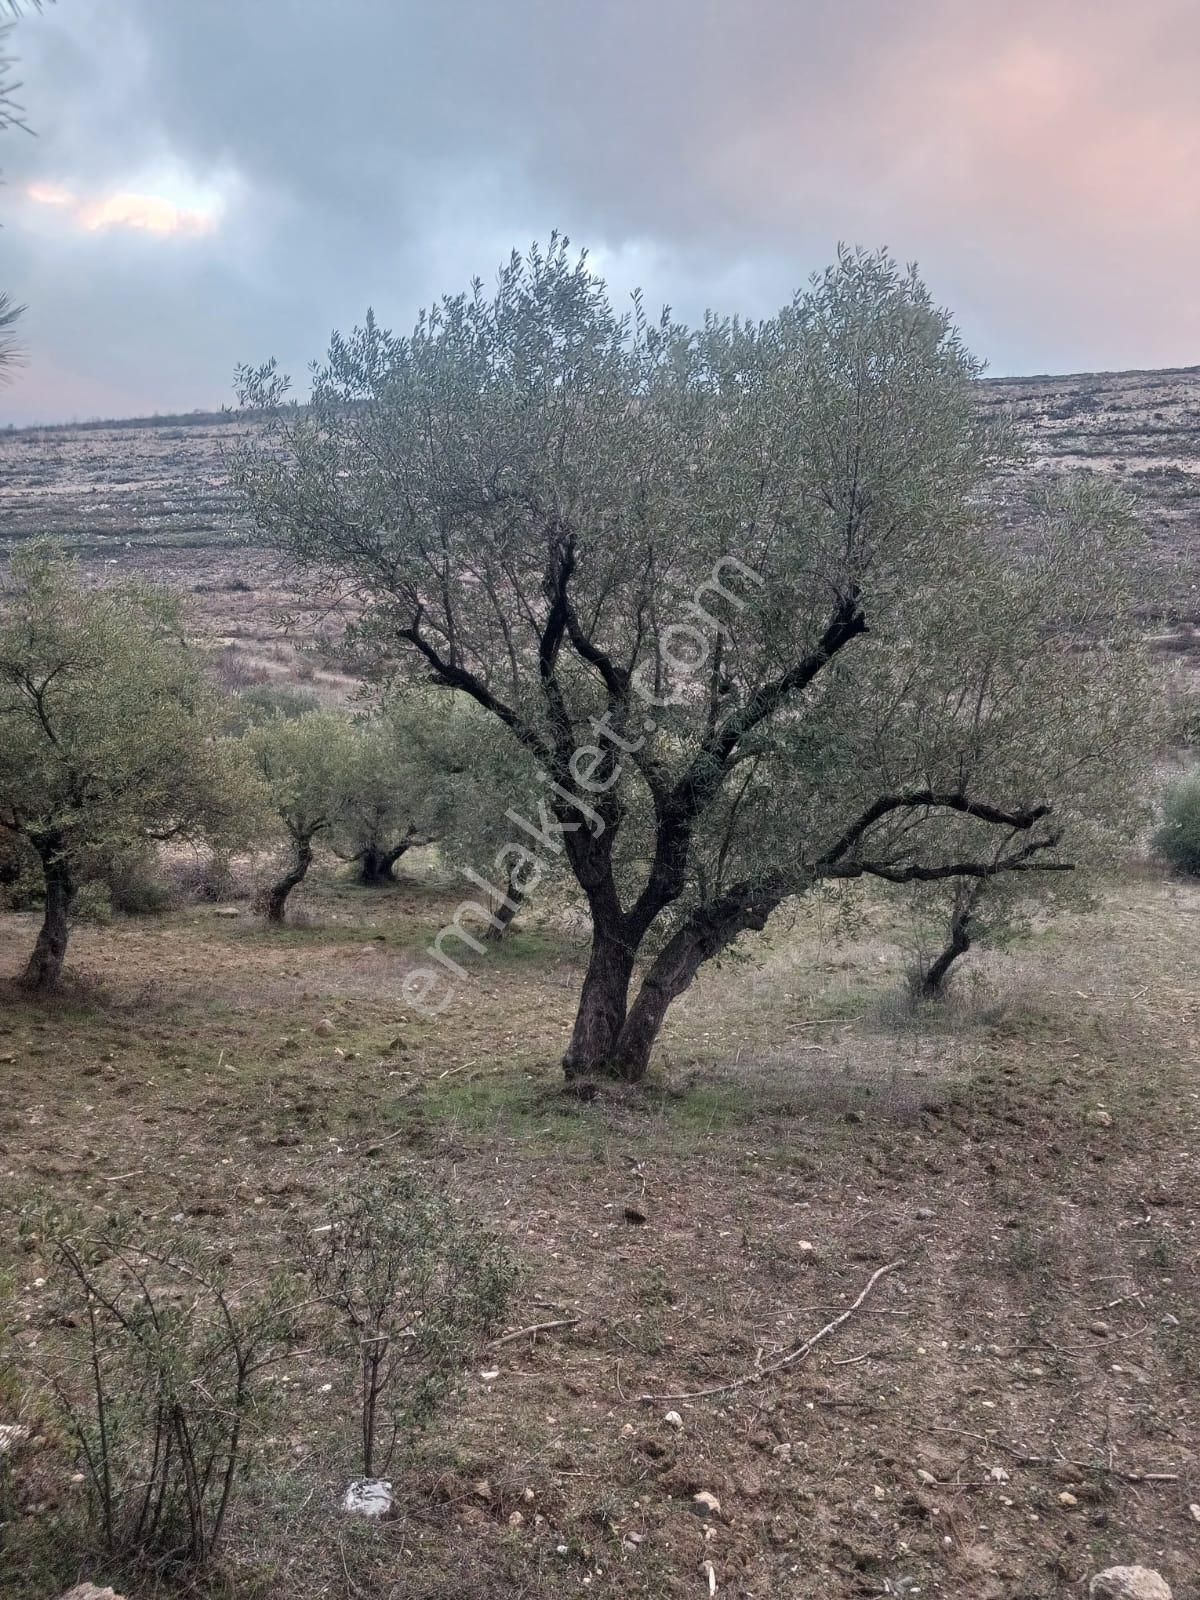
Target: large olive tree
column 109, row 735
column 733, row 588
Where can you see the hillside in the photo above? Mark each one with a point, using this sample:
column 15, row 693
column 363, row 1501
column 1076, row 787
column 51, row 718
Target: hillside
column 155, row 495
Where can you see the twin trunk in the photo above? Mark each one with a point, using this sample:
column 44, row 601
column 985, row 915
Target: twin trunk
column 613, row 1038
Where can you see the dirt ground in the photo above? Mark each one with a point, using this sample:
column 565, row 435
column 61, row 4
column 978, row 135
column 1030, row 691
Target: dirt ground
column 1014, row 1406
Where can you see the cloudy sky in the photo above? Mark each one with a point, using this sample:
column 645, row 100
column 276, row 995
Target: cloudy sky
column 216, row 181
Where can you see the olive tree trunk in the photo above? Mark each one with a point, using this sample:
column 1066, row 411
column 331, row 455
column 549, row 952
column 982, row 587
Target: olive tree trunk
column 275, row 899
column 505, row 910
column 931, row 984
column 45, row 965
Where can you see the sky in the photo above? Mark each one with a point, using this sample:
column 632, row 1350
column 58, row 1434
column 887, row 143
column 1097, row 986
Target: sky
column 219, row 181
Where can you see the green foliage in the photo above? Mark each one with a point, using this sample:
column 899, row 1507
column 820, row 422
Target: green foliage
column 302, row 761
column 386, row 793
column 264, row 702
column 1177, row 841
column 152, row 1367
column 413, row 1286
column 111, row 733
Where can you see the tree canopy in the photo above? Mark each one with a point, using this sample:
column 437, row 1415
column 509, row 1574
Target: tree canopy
column 110, row 734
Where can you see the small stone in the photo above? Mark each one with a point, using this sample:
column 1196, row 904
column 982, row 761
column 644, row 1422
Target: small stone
column 516, row 1520
column 1100, row 1329
column 1066, row 1498
column 1129, row 1583
column 805, row 1246
column 998, row 1475
column 924, row 1213
column 89, row 1591
column 1169, row 1320
column 227, row 911
column 673, row 1419
column 325, row 1029
column 482, row 1489
column 1194, row 1512
column 490, row 1375
column 705, row 1504
column 628, row 1431
column 925, row 1477
column 1100, row 1118
column 879, row 1492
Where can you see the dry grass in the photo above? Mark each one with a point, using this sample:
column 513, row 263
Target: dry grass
column 794, row 1103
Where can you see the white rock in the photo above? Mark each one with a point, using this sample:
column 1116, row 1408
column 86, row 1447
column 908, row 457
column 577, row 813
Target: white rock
column 325, row 1029
column 368, row 1497
column 705, row 1504
column 1129, row 1583
column 89, row 1591
column 490, row 1375
column 227, row 911
column 673, row 1419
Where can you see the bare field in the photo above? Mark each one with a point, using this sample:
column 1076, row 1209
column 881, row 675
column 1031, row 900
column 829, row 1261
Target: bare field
column 1015, row 1406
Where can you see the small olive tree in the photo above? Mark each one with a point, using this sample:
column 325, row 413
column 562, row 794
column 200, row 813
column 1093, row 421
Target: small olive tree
column 385, row 800
column 734, row 589
column 302, row 761
column 109, row 736
column 1089, row 755
column 412, row 1286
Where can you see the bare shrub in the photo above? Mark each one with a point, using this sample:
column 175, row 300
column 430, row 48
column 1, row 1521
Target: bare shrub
column 233, row 671
column 152, row 1369
column 411, row 1288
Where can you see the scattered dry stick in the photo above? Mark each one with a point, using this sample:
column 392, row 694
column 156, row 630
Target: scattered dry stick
column 797, row 1354
column 535, row 1328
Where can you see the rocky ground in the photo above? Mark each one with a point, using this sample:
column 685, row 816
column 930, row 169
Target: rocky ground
column 1011, row 1408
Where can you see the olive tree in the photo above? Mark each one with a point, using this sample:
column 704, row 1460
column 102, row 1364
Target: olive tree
column 109, row 736
column 384, row 805
column 1100, row 723
column 473, row 774
column 733, row 588
column 302, row 761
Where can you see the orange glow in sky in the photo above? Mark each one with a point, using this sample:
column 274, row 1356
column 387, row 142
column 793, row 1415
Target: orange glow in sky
column 141, row 213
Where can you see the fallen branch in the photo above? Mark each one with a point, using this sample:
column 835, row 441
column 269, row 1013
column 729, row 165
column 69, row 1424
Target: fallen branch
column 797, row 1354
column 535, row 1328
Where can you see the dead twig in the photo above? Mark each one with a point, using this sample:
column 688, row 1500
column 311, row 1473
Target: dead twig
column 535, row 1328
column 797, row 1354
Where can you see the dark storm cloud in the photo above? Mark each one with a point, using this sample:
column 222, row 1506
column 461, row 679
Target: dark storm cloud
column 219, row 181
